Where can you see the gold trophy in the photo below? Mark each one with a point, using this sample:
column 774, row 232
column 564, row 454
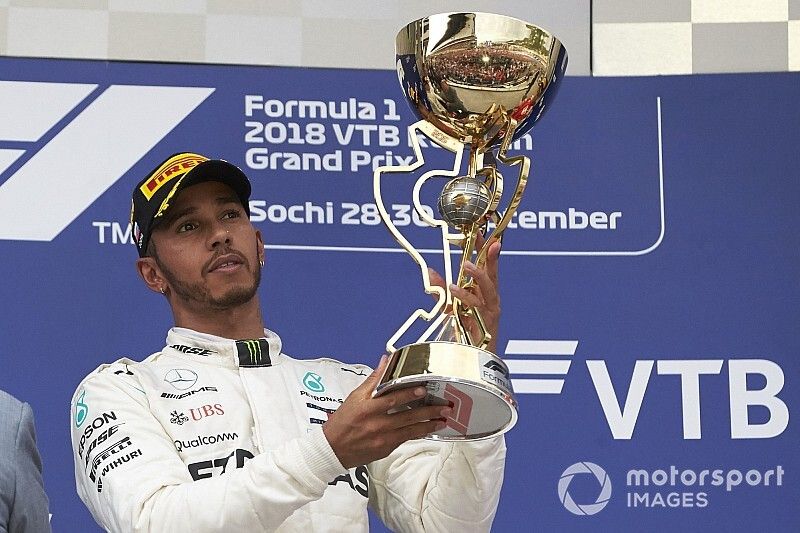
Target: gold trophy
column 475, row 80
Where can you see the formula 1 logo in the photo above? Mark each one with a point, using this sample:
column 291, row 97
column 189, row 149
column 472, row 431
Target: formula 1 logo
column 72, row 141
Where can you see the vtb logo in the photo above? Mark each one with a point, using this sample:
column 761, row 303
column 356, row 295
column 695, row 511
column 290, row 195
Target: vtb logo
column 548, row 362
column 48, row 123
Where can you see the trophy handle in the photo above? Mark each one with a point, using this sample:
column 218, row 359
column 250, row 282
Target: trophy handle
column 524, row 162
column 494, row 180
column 444, row 298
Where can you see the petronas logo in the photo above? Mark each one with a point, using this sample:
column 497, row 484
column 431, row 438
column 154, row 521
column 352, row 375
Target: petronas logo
column 81, row 410
column 313, row 382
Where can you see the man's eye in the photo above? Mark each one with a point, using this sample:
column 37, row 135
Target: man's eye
column 232, row 214
column 187, row 226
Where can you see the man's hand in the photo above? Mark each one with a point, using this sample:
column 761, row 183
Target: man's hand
column 362, row 430
column 482, row 295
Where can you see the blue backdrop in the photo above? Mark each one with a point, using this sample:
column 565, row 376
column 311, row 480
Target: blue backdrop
column 650, row 292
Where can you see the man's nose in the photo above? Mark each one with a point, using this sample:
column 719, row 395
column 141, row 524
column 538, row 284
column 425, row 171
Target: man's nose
column 219, row 235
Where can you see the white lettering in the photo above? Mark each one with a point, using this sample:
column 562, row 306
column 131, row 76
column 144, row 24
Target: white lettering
column 620, row 422
column 101, row 230
column 741, row 398
column 690, row 371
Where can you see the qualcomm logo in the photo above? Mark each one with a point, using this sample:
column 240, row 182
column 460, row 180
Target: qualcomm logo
column 585, row 509
column 47, row 124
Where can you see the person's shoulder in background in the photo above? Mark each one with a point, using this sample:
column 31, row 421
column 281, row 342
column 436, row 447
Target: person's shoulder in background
column 23, row 502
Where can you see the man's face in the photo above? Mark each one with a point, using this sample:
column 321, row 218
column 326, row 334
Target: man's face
column 207, row 249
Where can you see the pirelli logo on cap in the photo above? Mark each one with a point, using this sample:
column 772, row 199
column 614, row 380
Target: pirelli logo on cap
column 253, row 353
column 172, row 168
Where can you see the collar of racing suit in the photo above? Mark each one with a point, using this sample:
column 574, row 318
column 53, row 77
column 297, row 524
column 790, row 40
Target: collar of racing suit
column 265, row 351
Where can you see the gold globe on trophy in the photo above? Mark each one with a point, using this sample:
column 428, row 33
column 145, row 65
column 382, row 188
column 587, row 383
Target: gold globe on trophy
column 477, row 81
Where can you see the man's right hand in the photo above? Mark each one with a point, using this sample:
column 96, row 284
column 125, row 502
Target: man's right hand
column 362, row 430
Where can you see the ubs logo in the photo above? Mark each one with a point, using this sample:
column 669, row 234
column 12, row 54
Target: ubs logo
column 206, row 410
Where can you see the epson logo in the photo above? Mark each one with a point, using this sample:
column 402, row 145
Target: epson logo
column 546, row 359
column 187, row 394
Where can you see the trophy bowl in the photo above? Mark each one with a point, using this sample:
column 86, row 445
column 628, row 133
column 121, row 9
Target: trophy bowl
column 475, row 80
column 464, row 71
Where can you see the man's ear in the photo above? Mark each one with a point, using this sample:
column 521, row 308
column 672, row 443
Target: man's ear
column 261, row 251
column 151, row 274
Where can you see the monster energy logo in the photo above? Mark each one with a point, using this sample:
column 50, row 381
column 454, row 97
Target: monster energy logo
column 253, row 352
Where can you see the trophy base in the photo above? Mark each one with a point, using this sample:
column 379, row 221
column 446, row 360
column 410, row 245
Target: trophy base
column 475, row 381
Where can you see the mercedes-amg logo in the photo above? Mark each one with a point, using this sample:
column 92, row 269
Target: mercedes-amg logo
column 181, row 378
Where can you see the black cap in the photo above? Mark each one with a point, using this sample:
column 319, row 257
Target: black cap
column 152, row 196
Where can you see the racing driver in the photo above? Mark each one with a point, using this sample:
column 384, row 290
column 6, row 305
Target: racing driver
column 221, row 431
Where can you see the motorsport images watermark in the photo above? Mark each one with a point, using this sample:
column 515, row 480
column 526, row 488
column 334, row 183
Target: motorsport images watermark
column 582, row 469
column 663, row 488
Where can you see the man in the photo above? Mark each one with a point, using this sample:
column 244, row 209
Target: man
column 221, row 431
column 23, row 503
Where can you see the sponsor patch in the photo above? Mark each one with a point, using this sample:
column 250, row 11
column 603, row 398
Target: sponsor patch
column 218, row 467
column 181, row 378
column 313, row 382
column 176, row 417
column 172, row 168
column 204, row 440
column 253, row 353
column 172, row 396
column 194, row 350
column 81, row 410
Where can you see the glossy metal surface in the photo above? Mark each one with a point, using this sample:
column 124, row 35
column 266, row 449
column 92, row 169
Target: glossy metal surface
column 476, row 80
column 467, row 73
column 475, row 381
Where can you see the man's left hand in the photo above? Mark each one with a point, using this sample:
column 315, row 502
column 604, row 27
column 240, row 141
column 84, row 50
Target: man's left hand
column 482, row 295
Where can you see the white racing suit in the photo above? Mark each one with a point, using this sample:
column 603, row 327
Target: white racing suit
column 213, row 434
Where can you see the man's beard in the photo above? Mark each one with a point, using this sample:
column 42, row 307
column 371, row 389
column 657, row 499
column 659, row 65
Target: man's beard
column 197, row 292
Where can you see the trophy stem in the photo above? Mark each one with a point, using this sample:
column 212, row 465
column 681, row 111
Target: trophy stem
column 458, row 311
column 524, row 163
column 474, row 155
